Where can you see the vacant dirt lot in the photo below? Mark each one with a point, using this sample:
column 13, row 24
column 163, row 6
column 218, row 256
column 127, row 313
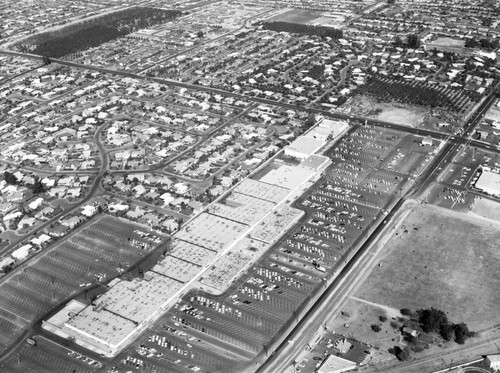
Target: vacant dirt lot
column 297, row 16
column 404, row 114
column 444, row 259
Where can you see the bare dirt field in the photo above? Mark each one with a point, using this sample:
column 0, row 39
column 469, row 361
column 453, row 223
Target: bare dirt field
column 444, row 259
column 486, row 208
column 404, row 114
column 450, row 45
column 297, row 16
column 449, row 42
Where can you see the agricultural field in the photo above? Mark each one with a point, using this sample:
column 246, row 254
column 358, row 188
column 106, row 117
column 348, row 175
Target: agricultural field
column 419, row 93
column 93, row 255
column 94, row 32
column 459, row 266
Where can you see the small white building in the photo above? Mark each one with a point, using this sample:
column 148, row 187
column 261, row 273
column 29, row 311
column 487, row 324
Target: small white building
column 427, row 141
column 335, row 364
column 493, row 362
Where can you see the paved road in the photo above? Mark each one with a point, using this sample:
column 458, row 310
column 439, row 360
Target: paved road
column 96, row 187
column 375, row 122
column 341, row 286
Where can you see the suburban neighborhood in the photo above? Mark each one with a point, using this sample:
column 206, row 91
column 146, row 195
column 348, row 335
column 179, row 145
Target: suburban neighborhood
column 224, row 186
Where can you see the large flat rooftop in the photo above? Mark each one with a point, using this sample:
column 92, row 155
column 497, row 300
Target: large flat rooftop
column 178, row 269
column 489, row 182
column 276, row 223
column 102, row 327
column 210, row 231
column 242, row 208
column 259, row 189
column 192, row 253
column 136, row 300
column 288, row 176
column 304, row 146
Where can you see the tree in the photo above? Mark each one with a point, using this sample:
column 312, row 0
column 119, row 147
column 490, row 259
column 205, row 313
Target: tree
column 406, row 312
column 446, row 331
column 470, row 43
column 413, row 41
column 403, row 354
column 431, row 319
column 485, row 43
column 10, row 178
column 376, row 328
column 391, row 2
column 311, row 120
column 462, row 332
column 398, row 43
column 200, row 34
column 37, row 186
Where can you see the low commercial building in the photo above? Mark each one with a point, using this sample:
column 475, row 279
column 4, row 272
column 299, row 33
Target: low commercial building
column 313, row 140
column 335, row 364
column 303, row 147
column 489, row 182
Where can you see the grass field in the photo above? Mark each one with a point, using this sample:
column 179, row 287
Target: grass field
column 356, row 322
column 444, row 259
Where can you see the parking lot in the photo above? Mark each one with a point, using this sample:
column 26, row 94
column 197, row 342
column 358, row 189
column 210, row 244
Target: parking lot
column 456, row 186
column 340, row 208
column 98, row 252
column 48, row 357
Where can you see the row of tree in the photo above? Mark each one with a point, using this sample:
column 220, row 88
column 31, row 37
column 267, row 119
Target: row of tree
column 299, row 28
column 418, row 93
column 484, row 43
column 435, row 320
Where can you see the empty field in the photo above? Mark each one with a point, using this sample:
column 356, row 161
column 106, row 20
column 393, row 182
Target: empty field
column 399, row 113
column 444, row 259
column 297, row 16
